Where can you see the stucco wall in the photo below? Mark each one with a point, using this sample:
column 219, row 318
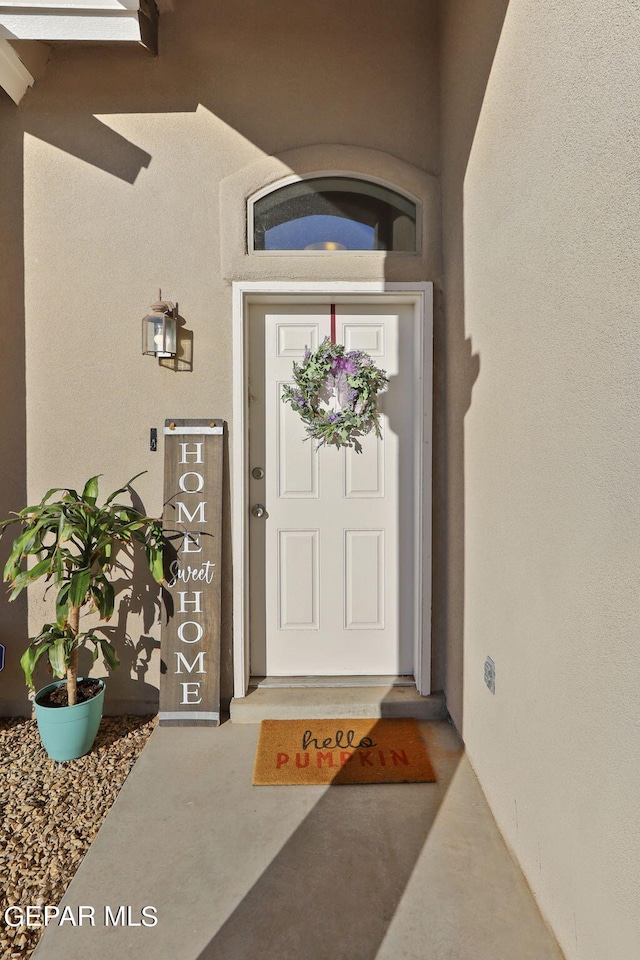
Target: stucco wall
column 540, row 211
column 125, row 161
column 13, row 469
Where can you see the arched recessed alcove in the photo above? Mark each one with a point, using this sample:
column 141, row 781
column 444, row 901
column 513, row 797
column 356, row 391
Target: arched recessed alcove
column 371, row 178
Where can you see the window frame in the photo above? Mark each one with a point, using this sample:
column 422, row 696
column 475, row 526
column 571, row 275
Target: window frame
column 321, row 174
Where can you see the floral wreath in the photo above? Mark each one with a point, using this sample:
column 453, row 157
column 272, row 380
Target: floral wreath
column 335, row 394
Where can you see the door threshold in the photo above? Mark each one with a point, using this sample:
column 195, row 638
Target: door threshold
column 336, row 703
column 280, row 683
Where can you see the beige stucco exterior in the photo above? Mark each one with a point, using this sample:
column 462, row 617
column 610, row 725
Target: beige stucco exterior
column 515, row 123
column 12, row 382
column 137, row 173
column 541, row 214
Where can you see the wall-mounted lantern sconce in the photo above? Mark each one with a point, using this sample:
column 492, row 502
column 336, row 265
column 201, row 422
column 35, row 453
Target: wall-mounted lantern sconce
column 159, row 329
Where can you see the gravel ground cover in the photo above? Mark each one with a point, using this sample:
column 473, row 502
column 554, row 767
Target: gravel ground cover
column 50, row 813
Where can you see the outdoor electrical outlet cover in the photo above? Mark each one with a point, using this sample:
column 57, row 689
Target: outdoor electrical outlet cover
column 490, row 674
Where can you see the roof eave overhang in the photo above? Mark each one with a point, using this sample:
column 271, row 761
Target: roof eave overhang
column 15, row 79
column 96, row 21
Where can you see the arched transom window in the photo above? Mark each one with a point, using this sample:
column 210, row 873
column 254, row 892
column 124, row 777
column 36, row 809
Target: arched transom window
column 334, row 213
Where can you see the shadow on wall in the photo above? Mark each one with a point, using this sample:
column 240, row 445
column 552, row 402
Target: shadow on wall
column 13, row 427
column 469, row 37
column 127, row 688
column 305, row 82
column 183, row 360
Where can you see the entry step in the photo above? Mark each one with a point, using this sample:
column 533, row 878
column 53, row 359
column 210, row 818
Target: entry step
column 383, row 681
column 335, row 703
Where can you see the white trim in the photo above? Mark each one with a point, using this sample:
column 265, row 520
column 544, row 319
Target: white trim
column 173, row 431
column 54, row 26
column 350, row 175
column 96, row 20
column 332, row 683
column 424, row 487
column 14, row 76
column 71, row 5
column 421, row 295
column 381, row 255
column 238, row 488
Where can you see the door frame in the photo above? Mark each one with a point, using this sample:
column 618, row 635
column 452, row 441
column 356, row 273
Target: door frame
column 420, row 295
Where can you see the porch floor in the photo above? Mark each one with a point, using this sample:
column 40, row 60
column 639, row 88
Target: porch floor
column 237, row 872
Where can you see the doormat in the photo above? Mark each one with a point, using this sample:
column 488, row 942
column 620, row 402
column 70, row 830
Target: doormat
column 292, row 752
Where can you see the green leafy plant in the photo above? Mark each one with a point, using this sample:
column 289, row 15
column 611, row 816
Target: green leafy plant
column 75, row 542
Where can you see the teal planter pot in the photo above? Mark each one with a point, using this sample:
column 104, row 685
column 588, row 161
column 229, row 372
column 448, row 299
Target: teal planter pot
column 68, row 732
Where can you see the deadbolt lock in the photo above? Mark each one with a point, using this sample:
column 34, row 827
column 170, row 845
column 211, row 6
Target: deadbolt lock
column 257, row 473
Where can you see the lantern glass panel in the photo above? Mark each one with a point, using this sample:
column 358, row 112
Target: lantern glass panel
column 170, row 337
column 159, row 335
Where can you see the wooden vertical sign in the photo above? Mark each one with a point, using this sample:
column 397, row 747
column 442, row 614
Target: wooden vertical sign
column 192, row 522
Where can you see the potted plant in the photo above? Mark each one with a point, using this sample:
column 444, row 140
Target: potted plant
column 75, row 543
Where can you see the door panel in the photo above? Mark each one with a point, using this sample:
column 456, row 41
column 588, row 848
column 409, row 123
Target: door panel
column 364, row 579
column 297, row 578
column 297, row 466
column 332, row 558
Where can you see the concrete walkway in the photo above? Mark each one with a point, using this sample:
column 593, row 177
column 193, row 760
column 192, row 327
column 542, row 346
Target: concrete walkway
column 236, row 872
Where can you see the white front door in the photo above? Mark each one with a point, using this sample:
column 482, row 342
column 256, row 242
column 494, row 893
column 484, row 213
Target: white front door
column 332, row 558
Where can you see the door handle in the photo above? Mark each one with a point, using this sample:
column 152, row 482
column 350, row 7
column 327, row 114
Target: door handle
column 258, row 510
